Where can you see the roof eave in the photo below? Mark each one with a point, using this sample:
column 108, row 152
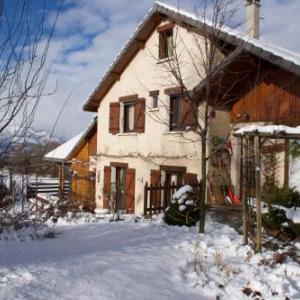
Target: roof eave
column 93, row 107
column 92, row 103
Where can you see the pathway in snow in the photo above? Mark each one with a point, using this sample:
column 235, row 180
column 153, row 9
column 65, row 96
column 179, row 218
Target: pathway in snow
column 97, row 261
column 142, row 261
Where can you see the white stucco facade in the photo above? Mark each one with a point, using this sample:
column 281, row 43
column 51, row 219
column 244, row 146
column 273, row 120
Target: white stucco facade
column 157, row 145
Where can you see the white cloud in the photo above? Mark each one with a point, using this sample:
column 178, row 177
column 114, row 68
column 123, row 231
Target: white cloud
column 91, row 33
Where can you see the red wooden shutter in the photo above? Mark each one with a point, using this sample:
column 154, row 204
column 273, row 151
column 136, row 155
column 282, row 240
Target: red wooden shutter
column 187, row 116
column 130, row 190
column 114, row 117
column 190, row 178
column 155, row 181
column 139, row 115
column 106, row 187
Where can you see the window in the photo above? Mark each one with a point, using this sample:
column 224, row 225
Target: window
column 155, row 102
column 154, row 99
column 128, row 116
column 175, row 112
column 166, row 44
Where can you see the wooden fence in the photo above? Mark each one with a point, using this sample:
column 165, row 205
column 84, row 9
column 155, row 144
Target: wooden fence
column 158, row 197
column 46, row 187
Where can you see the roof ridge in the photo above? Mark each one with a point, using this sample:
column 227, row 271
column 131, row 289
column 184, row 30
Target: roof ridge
column 226, row 28
column 283, row 57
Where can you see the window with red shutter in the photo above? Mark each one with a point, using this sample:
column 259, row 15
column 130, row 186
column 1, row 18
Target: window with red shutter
column 140, row 115
column 181, row 114
column 130, row 191
column 188, row 118
column 114, row 118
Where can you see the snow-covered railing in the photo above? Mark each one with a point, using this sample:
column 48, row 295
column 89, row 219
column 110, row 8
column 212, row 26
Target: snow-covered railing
column 279, row 131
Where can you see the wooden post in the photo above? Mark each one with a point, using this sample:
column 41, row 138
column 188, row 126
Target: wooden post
column 244, row 188
column 258, row 194
column 145, row 198
column 286, row 163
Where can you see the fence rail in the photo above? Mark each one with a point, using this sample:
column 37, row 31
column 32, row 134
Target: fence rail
column 158, row 197
column 51, row 188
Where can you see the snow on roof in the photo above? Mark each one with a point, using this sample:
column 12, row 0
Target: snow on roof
column 275, row 50
column 275, row 54
column 269, row 129
column 62, row 152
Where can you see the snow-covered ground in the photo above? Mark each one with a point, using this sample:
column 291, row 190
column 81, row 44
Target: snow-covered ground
column 294, row 176
column 144, row 260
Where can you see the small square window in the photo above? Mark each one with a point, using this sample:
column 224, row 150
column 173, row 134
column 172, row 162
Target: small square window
column 155, row 101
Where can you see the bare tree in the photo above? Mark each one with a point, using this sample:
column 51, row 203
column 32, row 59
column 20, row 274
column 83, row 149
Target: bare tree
column 206, row 57
column 25, row 37
column 24, row 45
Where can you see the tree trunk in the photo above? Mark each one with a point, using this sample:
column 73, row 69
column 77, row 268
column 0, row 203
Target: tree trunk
column 203, row 185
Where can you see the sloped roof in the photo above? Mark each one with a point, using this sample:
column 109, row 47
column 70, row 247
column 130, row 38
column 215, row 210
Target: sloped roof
column 63, row 152
column 279, row 56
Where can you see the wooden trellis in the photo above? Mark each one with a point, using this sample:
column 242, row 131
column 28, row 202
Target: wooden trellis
column 251, row 141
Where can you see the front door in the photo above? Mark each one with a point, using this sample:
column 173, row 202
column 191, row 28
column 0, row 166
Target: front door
column 120, row 177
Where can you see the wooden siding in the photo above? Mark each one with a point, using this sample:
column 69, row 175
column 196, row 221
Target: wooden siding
column 82, row 184
column 276, row 99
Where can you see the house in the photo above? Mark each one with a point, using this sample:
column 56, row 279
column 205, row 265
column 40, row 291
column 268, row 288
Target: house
column 145, row 124
column 76, row 161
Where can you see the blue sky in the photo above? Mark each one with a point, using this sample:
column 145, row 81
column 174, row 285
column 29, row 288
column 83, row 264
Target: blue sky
column 90, row 33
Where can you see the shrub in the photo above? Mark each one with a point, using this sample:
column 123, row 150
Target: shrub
column 286, row 197
column 183, row 209
column 275, row 218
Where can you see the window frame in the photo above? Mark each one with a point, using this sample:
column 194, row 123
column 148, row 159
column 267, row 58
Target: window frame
column 164, row 50
column 125, row 127
column 178, row 126
column 154, row 99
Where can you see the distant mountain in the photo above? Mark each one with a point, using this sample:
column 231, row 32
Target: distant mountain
column 10, row 139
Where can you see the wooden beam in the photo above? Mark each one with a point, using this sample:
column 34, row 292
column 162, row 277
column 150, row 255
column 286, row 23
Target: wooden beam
column 173, row 90
column 244, row 194
column 115, row 76
column 258, row 194
column 276, row 135
column 128, row 98
column 286, row 164
column 165, row 27
column 140, row 43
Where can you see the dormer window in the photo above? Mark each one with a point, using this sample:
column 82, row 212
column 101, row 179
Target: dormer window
column 166, row 42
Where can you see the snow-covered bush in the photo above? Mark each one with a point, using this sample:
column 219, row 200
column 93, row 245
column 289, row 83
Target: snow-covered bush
column 24, row 226
column 183, row 208
column 58, row 208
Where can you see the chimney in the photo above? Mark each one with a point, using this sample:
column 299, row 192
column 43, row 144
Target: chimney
column 252, row 17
